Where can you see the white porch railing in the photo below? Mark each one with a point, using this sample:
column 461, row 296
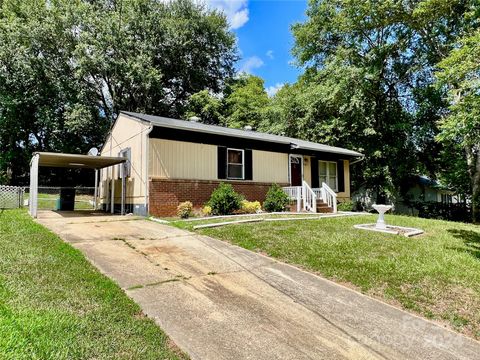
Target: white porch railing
column 306, row 197
column 309, row 198
column 328, row 196
column 295, row 193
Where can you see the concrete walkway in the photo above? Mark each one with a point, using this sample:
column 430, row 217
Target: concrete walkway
column 219, row 301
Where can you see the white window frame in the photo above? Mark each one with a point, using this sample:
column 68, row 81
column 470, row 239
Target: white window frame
column 328, row 173
column 290, row 156
column 243, row 164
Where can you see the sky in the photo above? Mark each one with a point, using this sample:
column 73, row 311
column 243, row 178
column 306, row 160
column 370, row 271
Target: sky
column 264, row 37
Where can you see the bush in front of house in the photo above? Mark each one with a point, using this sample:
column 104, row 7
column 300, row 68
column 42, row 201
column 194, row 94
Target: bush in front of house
column 250, row 207
column 224, row 200
column 276, row 199
column 346, row 206
column 207, row 210
column 184, row 209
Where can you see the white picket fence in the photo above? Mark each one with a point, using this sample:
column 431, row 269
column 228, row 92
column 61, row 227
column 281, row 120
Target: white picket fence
column 11, row 197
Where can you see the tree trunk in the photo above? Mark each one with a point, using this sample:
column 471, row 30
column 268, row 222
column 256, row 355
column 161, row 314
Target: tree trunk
column 473, row 161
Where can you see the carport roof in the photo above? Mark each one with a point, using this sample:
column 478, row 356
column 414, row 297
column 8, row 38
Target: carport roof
column 76, row 160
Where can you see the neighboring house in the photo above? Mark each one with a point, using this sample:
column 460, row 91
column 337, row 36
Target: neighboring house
column 417, row 189
column 171, row 161
column 422, row 189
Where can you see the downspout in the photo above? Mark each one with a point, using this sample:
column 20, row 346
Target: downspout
column 358, row 160
column 146, row 152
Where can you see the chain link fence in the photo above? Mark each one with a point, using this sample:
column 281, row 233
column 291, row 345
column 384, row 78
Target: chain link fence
column 11, row 197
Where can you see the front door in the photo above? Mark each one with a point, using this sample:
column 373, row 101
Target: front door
column 296, row 163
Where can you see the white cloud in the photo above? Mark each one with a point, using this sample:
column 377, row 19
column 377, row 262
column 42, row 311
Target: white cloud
column 250, row 64
column 236, row 11
column 270, row 54
column 272, row 90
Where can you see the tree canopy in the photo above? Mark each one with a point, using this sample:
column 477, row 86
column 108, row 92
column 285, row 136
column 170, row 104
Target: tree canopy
column 68, row 67
column 369, row 72
column 459, row 74
column 395, row 80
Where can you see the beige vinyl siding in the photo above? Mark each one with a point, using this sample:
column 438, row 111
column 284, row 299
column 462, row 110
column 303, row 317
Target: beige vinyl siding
column 270, row 167
column 307, row 170
column 126, row 133
column 171, row 159
column 345, row 195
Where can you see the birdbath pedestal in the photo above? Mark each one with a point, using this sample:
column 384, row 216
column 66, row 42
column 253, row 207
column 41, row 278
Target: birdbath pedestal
column 382, row 209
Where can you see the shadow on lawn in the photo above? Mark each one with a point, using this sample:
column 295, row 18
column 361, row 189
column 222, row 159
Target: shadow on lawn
column 471, row 240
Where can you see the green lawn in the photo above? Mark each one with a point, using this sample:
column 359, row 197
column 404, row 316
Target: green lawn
column 48, row 201
column 55, row 305
column 436, row 274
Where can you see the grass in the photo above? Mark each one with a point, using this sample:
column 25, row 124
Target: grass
column 190, row 223
column 55, row 305
column 436, row 275
column 48, row 201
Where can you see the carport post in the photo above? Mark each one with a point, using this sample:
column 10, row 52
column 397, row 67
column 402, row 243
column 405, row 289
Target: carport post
column 112, row 204
column 33, row 194
column 122, row 172
column 95, row 191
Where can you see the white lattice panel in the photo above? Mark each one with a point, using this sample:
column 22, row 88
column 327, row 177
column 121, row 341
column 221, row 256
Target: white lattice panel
column 11, row 197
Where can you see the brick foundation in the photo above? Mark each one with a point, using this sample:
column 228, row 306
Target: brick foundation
column 166, row 194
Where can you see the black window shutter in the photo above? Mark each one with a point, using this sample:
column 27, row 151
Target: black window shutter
column 314, row 169
column 341, row 176
column 222, row 162
column 248, row 165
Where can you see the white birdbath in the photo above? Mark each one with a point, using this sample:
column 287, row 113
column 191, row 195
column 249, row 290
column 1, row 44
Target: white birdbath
column 382, row 209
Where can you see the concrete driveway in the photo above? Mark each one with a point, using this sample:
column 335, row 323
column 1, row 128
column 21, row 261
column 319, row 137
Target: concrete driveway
column 219, row 301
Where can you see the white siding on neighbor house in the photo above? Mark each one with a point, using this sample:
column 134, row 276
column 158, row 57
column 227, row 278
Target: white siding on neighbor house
column 169, row 159
column 126, row 133
column 270, row 167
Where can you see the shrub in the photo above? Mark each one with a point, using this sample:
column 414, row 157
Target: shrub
column 276, row 199
column 207, row 210
column 346, row 206
column 224, row 200
column 184, row 209
column 250, row 207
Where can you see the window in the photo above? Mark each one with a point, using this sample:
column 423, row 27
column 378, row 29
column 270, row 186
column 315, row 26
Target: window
column 235, row 164
column 327, row 173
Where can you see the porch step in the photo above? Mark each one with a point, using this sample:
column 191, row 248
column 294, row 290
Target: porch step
column 323, row 207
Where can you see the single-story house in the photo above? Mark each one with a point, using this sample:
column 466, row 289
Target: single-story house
column 171, row 161
column 421, row 189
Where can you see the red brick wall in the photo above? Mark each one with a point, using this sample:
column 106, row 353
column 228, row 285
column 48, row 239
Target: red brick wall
column 166, row 194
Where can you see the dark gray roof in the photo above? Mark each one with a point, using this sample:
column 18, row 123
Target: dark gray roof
column 253, row 135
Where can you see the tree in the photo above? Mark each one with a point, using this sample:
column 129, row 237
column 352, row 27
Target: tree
column 369, row 68
column 207, row 107
column 245, row 102
column 43, row 105
column 460, row 74
column 68, row 67
column 150, row 56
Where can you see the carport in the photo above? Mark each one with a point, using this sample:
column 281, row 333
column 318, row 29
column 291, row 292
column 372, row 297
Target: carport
column 75, row 161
